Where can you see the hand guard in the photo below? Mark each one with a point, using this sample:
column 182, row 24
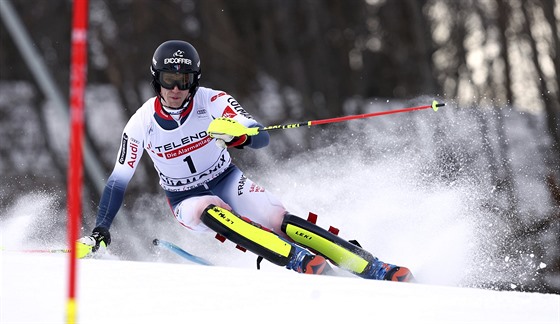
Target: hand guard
column 229, row 132
column 225, row 141
column 87, row 245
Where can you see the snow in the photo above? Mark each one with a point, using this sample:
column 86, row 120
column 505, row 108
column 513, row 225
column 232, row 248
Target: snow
column 33, row 290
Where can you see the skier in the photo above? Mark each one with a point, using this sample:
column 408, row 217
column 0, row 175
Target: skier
column 187, row 129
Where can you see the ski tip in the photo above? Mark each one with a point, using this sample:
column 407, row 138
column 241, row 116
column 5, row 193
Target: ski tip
column 155, row 242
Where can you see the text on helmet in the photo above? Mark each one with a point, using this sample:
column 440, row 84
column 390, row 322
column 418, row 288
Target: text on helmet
column 177, row 60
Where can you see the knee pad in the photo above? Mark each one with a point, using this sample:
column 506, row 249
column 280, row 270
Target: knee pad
column 339, row 251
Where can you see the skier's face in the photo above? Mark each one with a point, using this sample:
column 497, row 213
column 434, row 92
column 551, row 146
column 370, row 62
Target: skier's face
column 173, row 98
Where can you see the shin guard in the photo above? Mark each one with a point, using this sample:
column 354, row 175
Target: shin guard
column 339, row 251
column 248, row 235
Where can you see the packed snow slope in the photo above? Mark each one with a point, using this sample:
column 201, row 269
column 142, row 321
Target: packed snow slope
column 33, row 290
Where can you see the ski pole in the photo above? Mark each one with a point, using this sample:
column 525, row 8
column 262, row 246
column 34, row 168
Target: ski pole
column 435, row 105
column 35, row 250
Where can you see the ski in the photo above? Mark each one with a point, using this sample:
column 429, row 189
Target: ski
column 180, row 252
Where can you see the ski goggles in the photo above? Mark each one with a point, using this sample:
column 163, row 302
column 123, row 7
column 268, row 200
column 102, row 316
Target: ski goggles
column 169, row 80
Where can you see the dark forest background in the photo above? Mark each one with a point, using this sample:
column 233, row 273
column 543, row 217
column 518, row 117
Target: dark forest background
column 317, row 56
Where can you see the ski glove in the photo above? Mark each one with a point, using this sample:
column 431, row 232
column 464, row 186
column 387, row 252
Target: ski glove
column 229, row 132
column 87, row 245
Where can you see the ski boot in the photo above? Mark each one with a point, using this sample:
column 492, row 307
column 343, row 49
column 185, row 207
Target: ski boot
column 379, row 270
column 306, row 262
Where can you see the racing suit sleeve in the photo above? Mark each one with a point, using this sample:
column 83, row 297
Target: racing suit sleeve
column 224, row 105
column 260, row 140
column 129, row 155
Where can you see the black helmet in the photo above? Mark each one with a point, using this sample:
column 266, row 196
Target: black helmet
column 171, row 59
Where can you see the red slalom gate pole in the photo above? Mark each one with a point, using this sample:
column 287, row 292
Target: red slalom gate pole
column 435, row 105
column 78, row 76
